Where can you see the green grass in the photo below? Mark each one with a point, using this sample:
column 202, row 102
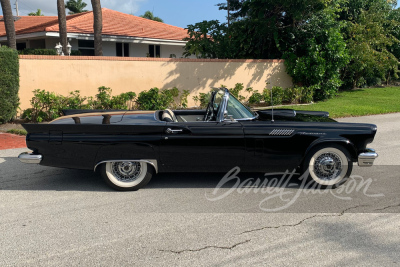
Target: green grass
column 360, row 102
column 16, row 131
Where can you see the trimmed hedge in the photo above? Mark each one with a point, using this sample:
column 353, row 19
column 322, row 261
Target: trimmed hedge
column 9, row 83
column 41, row 52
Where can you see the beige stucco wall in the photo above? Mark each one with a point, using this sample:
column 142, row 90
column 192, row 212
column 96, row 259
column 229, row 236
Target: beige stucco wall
column 129, row 74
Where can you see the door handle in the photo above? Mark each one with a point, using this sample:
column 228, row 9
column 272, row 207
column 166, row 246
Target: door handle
column 170, row 131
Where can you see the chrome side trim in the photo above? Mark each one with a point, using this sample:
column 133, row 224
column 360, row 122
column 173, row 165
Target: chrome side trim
column 366, row 159
column 282, row 132
column 30, row 158
column 224, row 105
column 152, row 162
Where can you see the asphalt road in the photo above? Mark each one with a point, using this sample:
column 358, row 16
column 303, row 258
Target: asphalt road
column 57, row 217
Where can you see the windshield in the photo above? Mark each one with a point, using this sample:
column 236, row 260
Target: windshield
column 237, row 110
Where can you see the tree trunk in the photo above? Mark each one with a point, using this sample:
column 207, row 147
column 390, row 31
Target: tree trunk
column 62, row 24
column 9, row 23
column 98, row 27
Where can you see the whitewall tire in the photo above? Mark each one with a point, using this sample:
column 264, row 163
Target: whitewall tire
column 328, row 166
column 126, row 175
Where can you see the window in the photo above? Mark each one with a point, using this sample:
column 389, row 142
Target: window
column 37, row 44
column 86, row 47
column 154, row 51
column 122, row 49
column 21, row 46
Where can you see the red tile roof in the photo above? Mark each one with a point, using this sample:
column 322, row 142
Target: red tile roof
column 114, row 23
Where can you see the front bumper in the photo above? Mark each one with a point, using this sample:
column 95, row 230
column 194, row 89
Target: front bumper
column 366, row 159
column 30, row 158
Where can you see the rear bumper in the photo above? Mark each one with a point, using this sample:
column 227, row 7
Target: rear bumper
column 367, row 158
column 30, row 158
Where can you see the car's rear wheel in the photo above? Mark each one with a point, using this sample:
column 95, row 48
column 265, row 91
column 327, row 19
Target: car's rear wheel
column 328, row 166
column 126, row 175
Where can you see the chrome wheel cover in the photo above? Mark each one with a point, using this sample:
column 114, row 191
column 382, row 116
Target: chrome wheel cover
column 328, row 166
column 126, row 174
column 126, row 171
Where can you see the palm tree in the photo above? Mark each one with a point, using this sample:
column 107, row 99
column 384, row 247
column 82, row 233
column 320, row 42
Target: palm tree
column 9, row 23
column 75, row 6
column 62, row 24
column 150, row 15
column 37, row 13
column 98, row 27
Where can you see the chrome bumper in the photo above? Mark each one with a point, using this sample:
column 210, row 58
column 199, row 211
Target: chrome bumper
column 30, row 158
column 366, row 159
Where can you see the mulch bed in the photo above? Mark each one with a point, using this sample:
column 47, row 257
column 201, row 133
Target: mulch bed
column 10, row 141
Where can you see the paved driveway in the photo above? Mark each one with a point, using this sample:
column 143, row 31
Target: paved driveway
column 56, row 217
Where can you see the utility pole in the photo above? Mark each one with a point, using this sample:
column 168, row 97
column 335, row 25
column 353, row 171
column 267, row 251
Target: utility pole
column 16, row 7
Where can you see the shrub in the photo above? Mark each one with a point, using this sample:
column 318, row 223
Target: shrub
column 48, row 106
column 255, row 98
column 156, row 99
column 9, row 83
column 17, row 131
column 292, row 95
column 183, row 99
column 204, row 99
column 30, row 51
column 307, row 94
column 277, row 95
column 373, row 81
column 76, row 53
column 298, row 95
column 45, row 106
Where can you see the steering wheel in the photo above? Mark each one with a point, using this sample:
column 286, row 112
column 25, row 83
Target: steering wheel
column 209, row 113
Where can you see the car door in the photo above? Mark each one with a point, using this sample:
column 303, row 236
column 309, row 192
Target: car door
column 202, row 146
column 272, row 147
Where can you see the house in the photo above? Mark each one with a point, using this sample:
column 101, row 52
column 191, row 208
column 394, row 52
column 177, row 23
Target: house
column 124, row 35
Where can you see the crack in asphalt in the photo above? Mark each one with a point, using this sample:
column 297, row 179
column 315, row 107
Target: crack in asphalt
column 388, row 207
column 302, row 221
column 206, row 247
column 260, row 229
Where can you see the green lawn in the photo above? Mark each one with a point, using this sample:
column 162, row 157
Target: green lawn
column 360, row 102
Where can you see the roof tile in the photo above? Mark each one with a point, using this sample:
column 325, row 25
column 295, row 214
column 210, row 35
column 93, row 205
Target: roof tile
column 114, row 23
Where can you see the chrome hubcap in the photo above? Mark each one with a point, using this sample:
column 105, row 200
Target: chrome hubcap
column 126, row 171
column 328, row 166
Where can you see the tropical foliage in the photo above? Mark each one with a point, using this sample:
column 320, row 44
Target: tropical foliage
column 75, row 6
column 327, row 44
column 37, row 13
column 149, row 15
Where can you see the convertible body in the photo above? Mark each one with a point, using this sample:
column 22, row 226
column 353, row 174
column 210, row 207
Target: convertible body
column 225, row 135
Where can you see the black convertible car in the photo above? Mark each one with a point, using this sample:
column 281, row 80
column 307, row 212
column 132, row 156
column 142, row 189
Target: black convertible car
column 128, row 147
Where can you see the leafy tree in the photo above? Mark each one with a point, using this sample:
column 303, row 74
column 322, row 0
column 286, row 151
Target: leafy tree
column 327, row 44
column 317, row 53
column 37, row 13
column 149, row 15
column 75, row 6
column 207, row 39
column 369, row 33
column 9, row 23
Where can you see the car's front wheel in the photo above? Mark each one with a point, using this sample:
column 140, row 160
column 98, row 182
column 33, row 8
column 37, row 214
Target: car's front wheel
column 328, row 166
column 126, row 175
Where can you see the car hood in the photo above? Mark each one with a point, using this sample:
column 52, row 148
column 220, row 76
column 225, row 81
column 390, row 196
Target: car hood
column 292, row 115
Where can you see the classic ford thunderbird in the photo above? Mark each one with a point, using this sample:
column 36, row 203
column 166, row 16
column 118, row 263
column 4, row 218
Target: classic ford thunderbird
column 128, row 147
